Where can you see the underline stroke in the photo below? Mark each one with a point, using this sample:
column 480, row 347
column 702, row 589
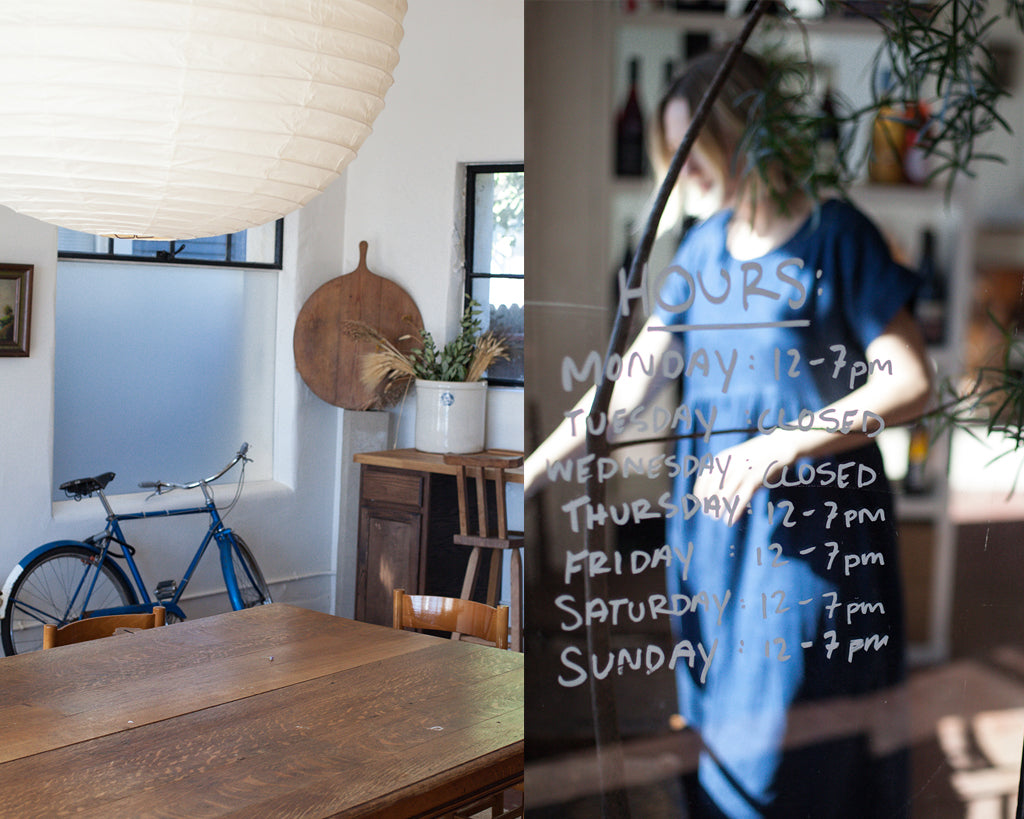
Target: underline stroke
column 763, row 325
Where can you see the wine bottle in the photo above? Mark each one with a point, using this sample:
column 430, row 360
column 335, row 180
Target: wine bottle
column 629, row 129
column 828, row 137
column 930, row 305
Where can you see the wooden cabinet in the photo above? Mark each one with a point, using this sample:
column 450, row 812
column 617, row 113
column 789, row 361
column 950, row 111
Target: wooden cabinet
column 408, row 512
column 392, row 525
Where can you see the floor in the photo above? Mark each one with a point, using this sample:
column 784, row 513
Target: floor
column 966, row 733
column 966, row 716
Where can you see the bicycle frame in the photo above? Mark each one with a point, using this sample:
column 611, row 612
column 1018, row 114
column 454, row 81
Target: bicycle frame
column 113, row 534
column 58, row 581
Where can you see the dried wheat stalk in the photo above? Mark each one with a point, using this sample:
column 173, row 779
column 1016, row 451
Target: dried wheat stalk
column 387, row 370
column 489, row 348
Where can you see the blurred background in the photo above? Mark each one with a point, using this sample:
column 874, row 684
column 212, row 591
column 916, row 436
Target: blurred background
column 594, row 71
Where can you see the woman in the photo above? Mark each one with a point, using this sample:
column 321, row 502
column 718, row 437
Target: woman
column 793, row 318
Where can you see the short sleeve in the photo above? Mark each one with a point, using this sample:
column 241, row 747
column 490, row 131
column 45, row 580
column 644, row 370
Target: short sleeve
column 874, row 287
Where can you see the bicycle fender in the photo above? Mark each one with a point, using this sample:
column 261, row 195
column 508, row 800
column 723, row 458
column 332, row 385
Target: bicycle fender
column 5, row 593
column 225, row 566
column 172, row 609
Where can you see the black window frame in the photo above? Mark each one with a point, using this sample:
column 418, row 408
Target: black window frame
column 473, row 170
column 170, row 256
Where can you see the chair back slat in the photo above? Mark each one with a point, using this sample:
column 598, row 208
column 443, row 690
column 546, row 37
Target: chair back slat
column 450, row 614
column 502, row 517
column 460, row 487
column 95, row 628
column 484, row 468
column 492, row 536
column 481, row 500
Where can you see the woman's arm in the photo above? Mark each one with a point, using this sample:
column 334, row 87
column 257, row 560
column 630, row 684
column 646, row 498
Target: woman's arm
column 569, row 437
column 897, row 396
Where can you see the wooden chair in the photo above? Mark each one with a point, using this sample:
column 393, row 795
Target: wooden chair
column 460, row 617
column 489, row 528
column 464, row 619
column 493, row 807
column 93, row 628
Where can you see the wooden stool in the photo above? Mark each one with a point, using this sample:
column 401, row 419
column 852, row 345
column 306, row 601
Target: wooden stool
column 489, row 467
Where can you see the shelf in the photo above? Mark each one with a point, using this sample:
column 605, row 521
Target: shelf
column 924, row 507
column 686, row 20
column 877, row 195
column 986, row 506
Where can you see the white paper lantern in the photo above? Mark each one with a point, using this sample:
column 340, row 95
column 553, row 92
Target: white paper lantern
column 184, row 118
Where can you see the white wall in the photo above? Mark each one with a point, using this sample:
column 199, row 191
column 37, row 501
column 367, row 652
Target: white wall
column 457, row 98
column 26, row 413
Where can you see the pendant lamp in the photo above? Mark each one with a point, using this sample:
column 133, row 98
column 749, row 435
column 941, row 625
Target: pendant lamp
column 176, row 119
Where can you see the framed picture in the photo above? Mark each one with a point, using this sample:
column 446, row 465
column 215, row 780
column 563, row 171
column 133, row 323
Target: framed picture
column 15, row 308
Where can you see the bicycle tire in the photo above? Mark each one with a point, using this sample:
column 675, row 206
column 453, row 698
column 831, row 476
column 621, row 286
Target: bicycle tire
column 244, row 573
column 42, row 594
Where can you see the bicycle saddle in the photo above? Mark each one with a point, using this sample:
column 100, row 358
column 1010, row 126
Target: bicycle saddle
column 81, row 487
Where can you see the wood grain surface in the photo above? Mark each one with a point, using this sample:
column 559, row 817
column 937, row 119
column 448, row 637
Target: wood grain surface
column 416, row 461
column 274, row 711
column 329, row 360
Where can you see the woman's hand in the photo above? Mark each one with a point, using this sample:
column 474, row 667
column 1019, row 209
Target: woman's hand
column 749, row 464
column 895, row 393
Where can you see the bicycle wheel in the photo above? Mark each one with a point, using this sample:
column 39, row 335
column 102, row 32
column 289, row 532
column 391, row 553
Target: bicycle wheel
column 52, row 589
column 244, row 573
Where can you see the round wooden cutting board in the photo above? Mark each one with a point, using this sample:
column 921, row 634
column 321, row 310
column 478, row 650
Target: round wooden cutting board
column 327, row 359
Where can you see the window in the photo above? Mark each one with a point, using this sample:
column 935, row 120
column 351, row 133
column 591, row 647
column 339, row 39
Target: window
column 256, row 247
column 495, row 197
column 163, row 367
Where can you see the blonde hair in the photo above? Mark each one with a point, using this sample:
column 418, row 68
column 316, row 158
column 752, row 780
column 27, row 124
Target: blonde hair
column 741, row 100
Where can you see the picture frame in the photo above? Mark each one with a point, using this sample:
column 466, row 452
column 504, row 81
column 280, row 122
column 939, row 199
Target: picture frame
column 15, row 308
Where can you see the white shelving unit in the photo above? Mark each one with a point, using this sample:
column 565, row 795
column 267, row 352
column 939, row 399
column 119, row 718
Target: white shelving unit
column 927, row 530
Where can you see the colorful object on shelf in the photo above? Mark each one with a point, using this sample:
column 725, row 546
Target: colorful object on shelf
column 888, row 137
column 899, row 145
column 916, row 482
column 915, row 149
column 177, row 119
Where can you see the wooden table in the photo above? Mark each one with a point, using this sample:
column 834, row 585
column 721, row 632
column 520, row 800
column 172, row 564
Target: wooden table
column 408, row 512
column 428, row 462
column 275, row 711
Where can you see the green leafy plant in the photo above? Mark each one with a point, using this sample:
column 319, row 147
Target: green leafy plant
column 938, row 59
column 389, row 370
column 992, row 402
column 464, row 358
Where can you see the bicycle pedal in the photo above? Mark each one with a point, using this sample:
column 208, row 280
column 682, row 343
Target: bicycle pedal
column 165, row 589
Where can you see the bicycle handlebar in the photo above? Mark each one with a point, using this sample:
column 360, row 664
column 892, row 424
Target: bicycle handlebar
column 166, row 486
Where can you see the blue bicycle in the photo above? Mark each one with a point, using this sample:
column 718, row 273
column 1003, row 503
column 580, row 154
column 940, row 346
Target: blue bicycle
column 70, row 579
